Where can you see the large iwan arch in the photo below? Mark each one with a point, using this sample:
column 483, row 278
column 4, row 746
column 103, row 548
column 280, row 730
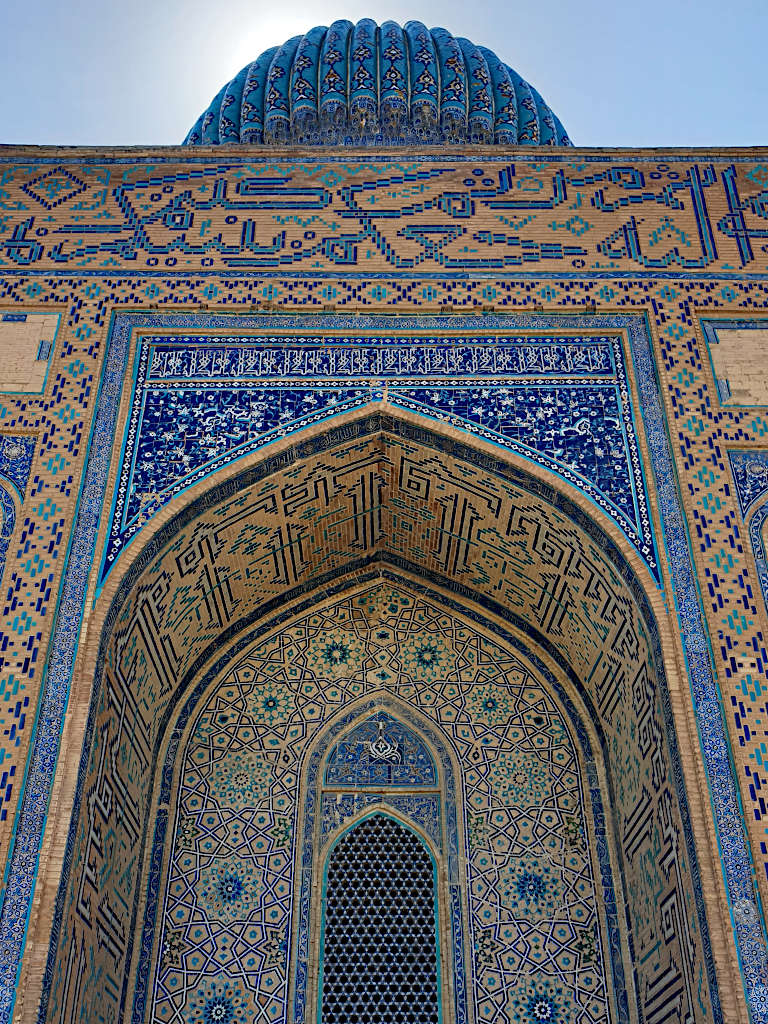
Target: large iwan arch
column 380, row 503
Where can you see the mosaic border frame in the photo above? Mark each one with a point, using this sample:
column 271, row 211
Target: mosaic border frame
column 733, row 844
column 752, row 503
column 758, row 548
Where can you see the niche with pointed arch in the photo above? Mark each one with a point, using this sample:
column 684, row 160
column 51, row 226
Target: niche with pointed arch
column 231, row 650
column 298, row 791
column 387, row 867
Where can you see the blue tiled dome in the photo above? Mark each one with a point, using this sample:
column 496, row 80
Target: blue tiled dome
column 368, row 85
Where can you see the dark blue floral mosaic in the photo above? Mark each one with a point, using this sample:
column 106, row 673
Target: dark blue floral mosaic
column 201, row 402
column 16, row 460
column 750, row 474
column 15, row 466
column 380, row 752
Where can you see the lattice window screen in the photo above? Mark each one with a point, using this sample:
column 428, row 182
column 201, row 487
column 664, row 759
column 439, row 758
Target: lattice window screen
column 380, row 952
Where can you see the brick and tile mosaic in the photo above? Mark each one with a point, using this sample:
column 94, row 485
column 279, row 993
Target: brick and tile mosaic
column 512, row 824
column 299, row 527
column 676, row 239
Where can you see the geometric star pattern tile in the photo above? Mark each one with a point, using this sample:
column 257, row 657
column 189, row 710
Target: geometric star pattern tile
column 227, row 901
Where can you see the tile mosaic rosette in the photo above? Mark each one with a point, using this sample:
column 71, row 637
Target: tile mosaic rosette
column 520, row 780
column 228, row 890
column 271, row 703
column 241, row 779
column 531, row 887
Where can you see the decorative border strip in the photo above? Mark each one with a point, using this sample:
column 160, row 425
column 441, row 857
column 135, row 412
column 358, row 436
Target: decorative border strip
column 758, row 548
column 750, row 475
column 339, row 277
column 244, row 155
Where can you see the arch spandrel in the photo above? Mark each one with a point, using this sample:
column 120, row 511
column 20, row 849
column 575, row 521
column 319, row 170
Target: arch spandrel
column 380, row 752
column 269, row 542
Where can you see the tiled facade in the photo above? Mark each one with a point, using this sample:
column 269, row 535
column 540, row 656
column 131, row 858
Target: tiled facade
column 254, row 398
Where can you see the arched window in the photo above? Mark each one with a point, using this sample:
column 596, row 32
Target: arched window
column 380, row 877
column 379, row 962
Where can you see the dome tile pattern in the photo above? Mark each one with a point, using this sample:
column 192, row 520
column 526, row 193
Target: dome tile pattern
column 373, row 85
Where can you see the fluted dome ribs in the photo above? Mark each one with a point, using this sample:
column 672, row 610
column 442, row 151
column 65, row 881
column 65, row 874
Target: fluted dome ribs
column 387, row 86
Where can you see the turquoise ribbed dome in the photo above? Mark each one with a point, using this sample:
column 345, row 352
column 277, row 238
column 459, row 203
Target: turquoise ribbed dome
column 368, row 85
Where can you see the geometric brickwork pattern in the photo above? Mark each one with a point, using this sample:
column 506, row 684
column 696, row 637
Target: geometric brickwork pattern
column 675, row 238
column 16, row 454
column 386, row 493
column 15, row 464
column 318, row 214
column 531, row 867
column 738, row 875
column 200, row 402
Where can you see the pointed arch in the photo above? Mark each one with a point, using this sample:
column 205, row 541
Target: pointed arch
column 379, row 932
column 571, row 586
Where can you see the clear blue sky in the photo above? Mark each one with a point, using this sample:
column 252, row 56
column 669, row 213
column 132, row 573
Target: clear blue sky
column 652, row 73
